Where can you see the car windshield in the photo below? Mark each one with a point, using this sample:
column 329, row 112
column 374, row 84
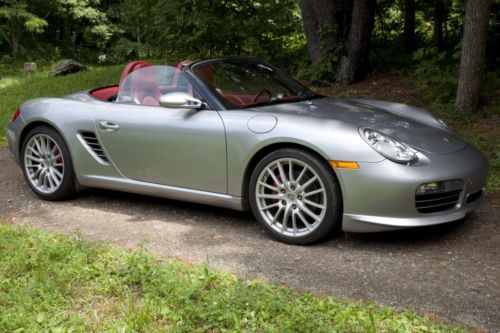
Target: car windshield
column 145, row 86
column 242, row 83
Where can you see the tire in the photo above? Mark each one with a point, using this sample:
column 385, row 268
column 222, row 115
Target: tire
column 310, row 200
column 47, row 165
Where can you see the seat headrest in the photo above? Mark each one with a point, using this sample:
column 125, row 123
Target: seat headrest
column 133, row 66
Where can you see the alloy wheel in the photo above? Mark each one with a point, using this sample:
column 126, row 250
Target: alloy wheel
column 44, row 163
column 291, row 197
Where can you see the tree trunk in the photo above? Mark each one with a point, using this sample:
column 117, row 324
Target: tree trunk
column 15, row 45
column 438, row 24
column 319, row 26
column 409, row 27
column 355, row 63
column 472, row 55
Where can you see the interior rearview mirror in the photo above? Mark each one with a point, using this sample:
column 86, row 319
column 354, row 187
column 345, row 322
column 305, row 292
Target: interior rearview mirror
column 180, row 100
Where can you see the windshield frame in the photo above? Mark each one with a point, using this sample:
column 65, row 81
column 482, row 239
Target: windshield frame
column 250, row 60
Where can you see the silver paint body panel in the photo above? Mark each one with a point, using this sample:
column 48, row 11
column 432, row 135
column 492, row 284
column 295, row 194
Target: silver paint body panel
column 203, row 156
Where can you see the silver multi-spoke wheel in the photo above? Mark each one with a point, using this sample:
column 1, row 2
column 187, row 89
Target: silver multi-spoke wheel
column 291, row 197
column 44, row 163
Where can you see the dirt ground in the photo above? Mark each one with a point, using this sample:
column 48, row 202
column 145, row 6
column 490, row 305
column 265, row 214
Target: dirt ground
column 450, row 271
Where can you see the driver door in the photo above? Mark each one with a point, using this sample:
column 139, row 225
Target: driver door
column 175, row 147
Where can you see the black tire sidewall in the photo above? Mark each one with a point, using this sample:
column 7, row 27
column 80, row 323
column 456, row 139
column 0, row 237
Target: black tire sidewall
column 67, row 187
column 332, row 219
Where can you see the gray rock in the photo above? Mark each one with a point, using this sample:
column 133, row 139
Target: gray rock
column 66, row 66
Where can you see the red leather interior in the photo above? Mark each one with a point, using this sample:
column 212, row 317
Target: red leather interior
column 183, row 64
column 133, row 66
column 180, row 80
column 145, row 89
column 105, row 94
column 206, row 73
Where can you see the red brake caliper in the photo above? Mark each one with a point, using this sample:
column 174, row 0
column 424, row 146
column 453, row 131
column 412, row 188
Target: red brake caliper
column 58, row 153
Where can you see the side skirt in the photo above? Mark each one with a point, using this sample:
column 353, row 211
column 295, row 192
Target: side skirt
column 164, row 191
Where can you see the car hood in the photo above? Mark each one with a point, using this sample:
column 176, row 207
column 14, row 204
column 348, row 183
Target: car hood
column 415, row 127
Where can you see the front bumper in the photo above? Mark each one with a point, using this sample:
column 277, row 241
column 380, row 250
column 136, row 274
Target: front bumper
column 11, row 140
column 381, row 196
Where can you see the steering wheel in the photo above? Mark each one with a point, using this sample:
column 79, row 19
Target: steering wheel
column 260, row 93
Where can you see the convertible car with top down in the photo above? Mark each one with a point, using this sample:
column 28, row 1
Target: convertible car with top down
column 239, row 133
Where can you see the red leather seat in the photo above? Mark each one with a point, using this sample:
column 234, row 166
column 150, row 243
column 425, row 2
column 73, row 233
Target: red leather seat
column 133, row 66
column 145, row 88
column 183, row 64
column 206, row 73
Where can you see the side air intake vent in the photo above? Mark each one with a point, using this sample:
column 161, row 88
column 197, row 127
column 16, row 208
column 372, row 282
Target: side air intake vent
column 91, row 142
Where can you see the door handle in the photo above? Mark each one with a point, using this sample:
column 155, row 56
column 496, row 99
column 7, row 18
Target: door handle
column 108, row 126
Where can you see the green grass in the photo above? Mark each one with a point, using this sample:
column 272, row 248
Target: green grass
column 52, row 283
column 16, row 88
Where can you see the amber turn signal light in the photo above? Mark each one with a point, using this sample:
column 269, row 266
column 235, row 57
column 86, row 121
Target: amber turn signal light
column 344, row 165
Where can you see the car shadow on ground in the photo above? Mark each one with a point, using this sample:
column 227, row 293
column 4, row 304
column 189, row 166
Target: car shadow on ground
column 141, row 208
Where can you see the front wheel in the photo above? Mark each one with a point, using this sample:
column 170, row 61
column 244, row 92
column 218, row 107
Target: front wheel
column 47, row 164
column 295, row 196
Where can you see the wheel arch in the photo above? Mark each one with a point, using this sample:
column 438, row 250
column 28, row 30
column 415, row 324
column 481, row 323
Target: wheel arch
column 261, row 153
column 37, row 123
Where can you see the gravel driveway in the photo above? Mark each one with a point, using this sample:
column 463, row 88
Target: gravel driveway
column 452, row 271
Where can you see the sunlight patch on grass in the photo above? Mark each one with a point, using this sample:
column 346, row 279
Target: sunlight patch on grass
column 8, row 81
column 53, row 283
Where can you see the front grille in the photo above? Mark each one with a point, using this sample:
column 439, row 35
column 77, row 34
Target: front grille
column 436, row 202
column 474, row 196
column 94, row 145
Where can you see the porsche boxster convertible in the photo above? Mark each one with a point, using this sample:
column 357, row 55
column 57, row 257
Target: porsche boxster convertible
column 239, row 133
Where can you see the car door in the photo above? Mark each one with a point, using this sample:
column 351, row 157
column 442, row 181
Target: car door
column 175, row 147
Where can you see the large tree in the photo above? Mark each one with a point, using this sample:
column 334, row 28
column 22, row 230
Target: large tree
column 326, row 25
column 439, row 20
column 472, row 55
column 339, row 32
column 409, row 39
column 354, row 64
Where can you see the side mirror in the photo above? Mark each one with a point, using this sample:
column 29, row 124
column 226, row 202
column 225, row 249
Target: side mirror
column 180, row 100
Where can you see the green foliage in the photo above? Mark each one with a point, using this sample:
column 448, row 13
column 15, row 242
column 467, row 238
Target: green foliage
column 319, row 73
column 64, row 25
column 56, row 284
column 16, row 88
column 15, row 15
column 114, row 31
column 436, row 70
column 194, row 29
column 16, row 18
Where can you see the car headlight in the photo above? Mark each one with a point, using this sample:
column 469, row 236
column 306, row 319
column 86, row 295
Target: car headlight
column 388, row 147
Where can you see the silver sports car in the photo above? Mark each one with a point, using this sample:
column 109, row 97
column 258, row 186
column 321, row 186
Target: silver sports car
column 239, row 133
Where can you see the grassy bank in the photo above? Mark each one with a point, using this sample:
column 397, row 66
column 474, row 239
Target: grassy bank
column 16, row 88
column 51, row 283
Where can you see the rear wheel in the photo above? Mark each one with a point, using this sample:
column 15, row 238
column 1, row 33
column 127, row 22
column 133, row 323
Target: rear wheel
column 47, row 165
column 295, row 196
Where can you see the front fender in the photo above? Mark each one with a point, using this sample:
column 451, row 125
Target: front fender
column 331, row 139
